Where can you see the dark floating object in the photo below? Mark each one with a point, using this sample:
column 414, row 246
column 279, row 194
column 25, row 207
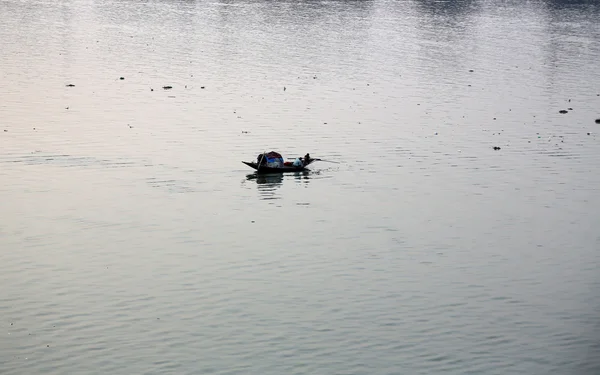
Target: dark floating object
column 70, row 85
column 283, row 88
column 202, row 87
column 283, row 167
column 563, row 111
column 570, row 109
column 598, row 121
column 471, row 70
column 496, row 148
column 122, row 78
column 5, row 130
column 167, row 87
column 494, row 118
column 588, row 133
column 151, row 89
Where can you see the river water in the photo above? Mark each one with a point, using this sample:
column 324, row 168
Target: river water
column 134, row 241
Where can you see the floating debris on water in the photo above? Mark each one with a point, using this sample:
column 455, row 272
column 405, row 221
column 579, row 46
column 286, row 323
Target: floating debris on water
column 496, row 148
column 563, row 111
column 70, row 85
column 202, row 87
column 121, row 78
column 167, row 87
column 598, row 121
column 471, row 70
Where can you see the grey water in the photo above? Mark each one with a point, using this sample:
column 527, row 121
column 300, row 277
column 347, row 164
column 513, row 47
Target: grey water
column 134, row 241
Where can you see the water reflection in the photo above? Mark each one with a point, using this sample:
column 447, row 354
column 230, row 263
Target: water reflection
column 269, row 184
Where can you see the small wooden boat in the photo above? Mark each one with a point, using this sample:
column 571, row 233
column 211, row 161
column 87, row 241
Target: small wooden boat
column 283, row 169
column 279, row 166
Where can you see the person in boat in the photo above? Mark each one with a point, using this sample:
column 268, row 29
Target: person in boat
column 307, row 159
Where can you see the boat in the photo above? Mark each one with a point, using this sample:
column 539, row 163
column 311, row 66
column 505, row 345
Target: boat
column 272, row 162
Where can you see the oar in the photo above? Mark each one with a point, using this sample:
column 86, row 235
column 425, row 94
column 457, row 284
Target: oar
column 260, row 162
column 328, row 161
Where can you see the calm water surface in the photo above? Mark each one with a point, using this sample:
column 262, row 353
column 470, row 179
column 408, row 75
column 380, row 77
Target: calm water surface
column 133, row 241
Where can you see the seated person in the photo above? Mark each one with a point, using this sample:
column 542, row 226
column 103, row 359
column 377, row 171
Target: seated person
column 307, row 159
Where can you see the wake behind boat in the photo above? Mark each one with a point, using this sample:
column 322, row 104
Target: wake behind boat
column 272, row 162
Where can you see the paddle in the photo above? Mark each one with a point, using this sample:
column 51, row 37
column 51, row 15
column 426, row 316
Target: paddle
column 328, row 161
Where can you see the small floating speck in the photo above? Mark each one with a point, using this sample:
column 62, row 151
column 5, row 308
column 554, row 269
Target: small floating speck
column 563, row 111
column 167, row 87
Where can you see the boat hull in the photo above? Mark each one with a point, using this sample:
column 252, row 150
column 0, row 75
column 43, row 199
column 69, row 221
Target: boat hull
column 265, row 169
